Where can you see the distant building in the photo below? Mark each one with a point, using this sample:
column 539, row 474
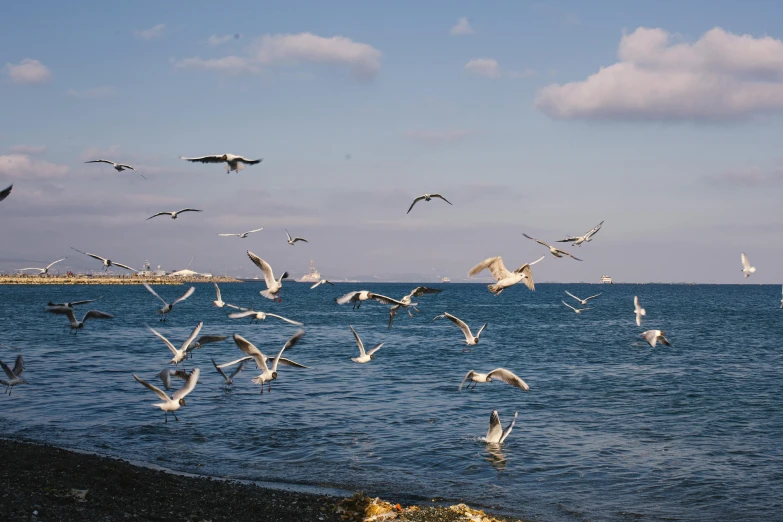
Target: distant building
column 606, row 279
column 187, row 273
column 148, row 272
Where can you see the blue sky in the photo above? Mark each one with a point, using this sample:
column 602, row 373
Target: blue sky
column 537, row 117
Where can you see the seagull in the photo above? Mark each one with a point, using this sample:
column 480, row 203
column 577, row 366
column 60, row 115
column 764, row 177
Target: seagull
column 583, row 301
column 746, row 268
column 106, row 262
column 470, row 340
column 167, row 373
column 259, row 316
column 119, row 167
column 427, row 197
column 177, row 400
column 638, row 310
column 232, row 161
column 219, row 301
column 653, row 336
column 166, row 306
column 174, row 214
column 496, row 434
column 77, row 325
column 364, row 357
column 363, row 295
column 501, row 373
column 578, row 240
column 407, row 301
column 44, row 270
column 503, row 276
column 554, row 251
column 261, row 360
column 321, row 282
column 243, row 235
column 14, row 376
column 273, row 285
column 577, row 310
column 292, row 240
column 204, row 339
column 781, row 302
column 5, row 192
column 230, row 377
column 179, row 355
column 73, row 303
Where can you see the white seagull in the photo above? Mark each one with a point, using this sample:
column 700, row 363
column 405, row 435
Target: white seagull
column 364, row 357
column 273, row 285
column 219, row 301
column 746, row 268
column 552, row 250
column 106, row 262
column 653, row 336
column 583, row 301
column 73, row 303
column 167, row 373
column 781, row 301
column 176, row 401
column 14, row 375
column 166, row 306
column 577, row 310
column 119, row 167
column 501, row 373
column 204, row 339
column 407, row 301
column 230, row 377
column 258, row 316
column 364, row 295
column 470, row 339
column 427, row 197
column 638, row 310
column 502, row 275
column 243, row 235
column 322, row 282
column 232, row 161
column 292, row 240
column 5, row 192
column 496, row 434
column 179, row 355
column 261, row 360
column 44, row 270
column 174, row 214
column 74, row 324
column 578, row 240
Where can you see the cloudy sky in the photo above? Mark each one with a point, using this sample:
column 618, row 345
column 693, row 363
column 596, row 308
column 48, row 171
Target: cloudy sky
column 661, row 118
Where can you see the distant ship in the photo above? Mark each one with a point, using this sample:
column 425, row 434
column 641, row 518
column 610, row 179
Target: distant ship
column 312, row 277
column 606, row 279
column 445, row 279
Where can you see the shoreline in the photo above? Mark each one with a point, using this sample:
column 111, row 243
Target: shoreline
column 109, row 280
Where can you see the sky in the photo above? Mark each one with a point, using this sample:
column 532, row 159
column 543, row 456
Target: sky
column 660, row 118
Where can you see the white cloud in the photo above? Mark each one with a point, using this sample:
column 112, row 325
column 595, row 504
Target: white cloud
column 720, row 76
column 484, row 67
column 462, row 28
column 21, row 166
column 28, row 71
column 93, row 153
column 95, row 92
column 151, row 33
column 28, row 149
column 362, row 60
column 438, row 137
column 217, row 40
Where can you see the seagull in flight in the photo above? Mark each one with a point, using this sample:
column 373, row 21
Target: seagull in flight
column 638, row 310
column 261, row 360
column 119, row 167
column 44, row 270
column 578, row 240
column 363, row 295
column 781, row 302
column 73, row 303
column 470, row 340
column 554, row 251
column 653, row 336
column 174, row 214
column 5, row 192
column 427, row 197
column 14, row 375
column 501, row 373
column 746, row 268
column 232, row 161
column 273, row 285
column 577, row 310
column 166, row 306
column 74, row 324
column 502, row 275
column 201, row 341
column 292, row 240
column 243, row 235
column 106, row 262
column 167, row 373
column 364, row 357
column 257, row 316
column 322, row 282
column 584, row 301
column 230, row 377
column 181, row 353
column 407, row 301
column 219, row 301
column 496, row 434
column 177, row 400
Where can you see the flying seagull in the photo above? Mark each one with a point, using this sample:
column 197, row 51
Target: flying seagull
column 106, row 262
column 167, row 373
column 503, row 277
column 496, row 434
column 254, row 353
column 176, row 401
column 363, row 295
column 166, row 306
column 470, row 340
column 44, row 270
column 273, row 285
column 201, row 341
column 781, row 301
column 407, row 301
column 292, row 240
column 5, row 192
column 578, row 240
column 14, row 376
column 232, row 161
column 243, row 235
column 638, row 310
column 74, row 324
column 119, row 167
column 554, row 251
column 73, row 303
column 577, row 310
column 173, row 214
column 259, row 316
column 230, row 377
column 322, row 282
column 219, row 301
column 585, row 300
column 653, row 336
column 364, row 357
column 501, row 373
column 746, row 268
column 427, row 197
column 179, row 354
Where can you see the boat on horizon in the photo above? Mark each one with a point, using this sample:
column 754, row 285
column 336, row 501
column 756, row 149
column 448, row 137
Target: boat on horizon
column 313, row 276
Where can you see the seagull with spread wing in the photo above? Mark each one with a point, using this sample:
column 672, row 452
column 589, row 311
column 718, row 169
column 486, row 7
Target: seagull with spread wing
column 119, row 167
column 427, row 197
column 73, row 303
column 44, row 270
column 578, row 240
column 106, row 262
column 204, row 339
column 653, row 336
column 232, row 161
column 584, row 301
column 182, row 352
column 243, row 235
column 177, row 400
column 364, row 295
column 500, row 373
column 14, row 375
column 167, row 307
column 6, row 191
column 292, row 240
column 496, row 434
column 552, row 250
column 267, row 374
column 502, row 275
column 322, row 282
column 219, row 301
column 230, row 377
column 257, row 316
column 273, row 285
column 470, row 339
column 364, row 356
column 577, row 310
column 746, row 268
column 74, row 324
column 407, row 301
column 174, row 214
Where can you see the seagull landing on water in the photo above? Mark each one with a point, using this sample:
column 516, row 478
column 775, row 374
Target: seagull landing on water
column 257, row 316
column 577, row 310
column 584, row 301
column 322, row 282
column 181, row 353
column 292, row 240
column 232, row 161
column 230, row 377
column 243, row 235
column 106, row 262
column 638, row 310
column 273, row 285
column 267, row 374
column 552, row 250
column 746, row 268
column 502, row 275
column 653, row 336
column 578, row 240
column 470, row 340
column 427, row 197
column 74, row 324
column 500, row 373
column 14, row 375
column 363, row 295
column 364, row 357
column 176, row 401
column 44, row 270
column 496, row 434
column 119, row 167
column 164, row 312
column 5, row 192
column 174, row 214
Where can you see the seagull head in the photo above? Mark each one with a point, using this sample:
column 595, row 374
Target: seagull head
column 182, row 402
column 372, row 356
column 476, row 340
column 274, row 375
column 489, row 379
column 224, row 157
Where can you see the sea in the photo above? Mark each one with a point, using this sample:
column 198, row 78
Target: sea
column 611, row 428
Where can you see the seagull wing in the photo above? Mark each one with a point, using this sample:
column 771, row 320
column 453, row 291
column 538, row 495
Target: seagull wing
column 441, row 197
column 378, row 347
column 358, row 341
column 269, row 276
column 422, row 290
column 592, row 296
column 256, row 230
column 7, row 370
column 315, row 285
column 187, row 210
column 171, row 346
column 288, row 362
column 243, row 359
column 287, row 234
column 153, row 292
column 158, row 214
column 481, row 329
column 165, row 377
column 346, row 298
column 568, row 239
column 494, row 265
column 385, row 300
column 247, row 347
column 128, row 167
column 569, row 306
column 236, row 370
column 300, row 239
column 99, row 258
column 5, row 192
column 569, row 255
column 240, row 315
column 206, row 159
column 208, row 339
column 509, row 378
column 54, row 263
column 507, row 431
column 661, row 338
column 284, row 319
column 95, row 314
column 467, row 376
column 220, row 371
column 572, row 295
column 63, row 310
column 528, row 279
column 461, row 324
column 193, row 335
column 160, row 393
column 18, row 366
column 538, row 241
column 495, row 430
column 101, row 161
column 228, row 235
column 190, row 383
column 77, row 303
column 745, row 262
column 414, row 202
column 248, row 161
column 288, row 344
column 126, row 267
column 185, row 295
column 217, row 291
column 593, row 231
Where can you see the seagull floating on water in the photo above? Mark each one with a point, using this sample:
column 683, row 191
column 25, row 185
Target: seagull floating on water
column 502, row 275
column 501, row 373
column 292, row 240
column 273, row 285
column 427, row 197
column 552, row 250
column 578, row 240
column 6, row 191
column 174, row 214
column 14, row 375
column 470, row 340
column 496, row 434
column 44, row 270
column 257, row 316
column 364, row 295
column 585, row 300
column 577, row 310
column 746, row 268
column 181, row 353
column 74, row 324
column 364, row 357
column 653, row 336
column 106, row 262
column 166, row 306
column 232, row 161
column 261, row 360
column 243, row 235
column 176, row 401
column 322, row 282
column 638, row 310
column 119, row 167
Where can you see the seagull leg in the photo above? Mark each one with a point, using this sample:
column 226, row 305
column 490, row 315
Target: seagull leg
column 166, row 421
column 175, row 416
column 10, row 390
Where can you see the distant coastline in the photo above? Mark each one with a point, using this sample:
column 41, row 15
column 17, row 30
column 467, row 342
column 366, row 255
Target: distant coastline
column 131, row 279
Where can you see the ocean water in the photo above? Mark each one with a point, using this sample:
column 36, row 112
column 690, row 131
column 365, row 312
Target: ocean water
column 611, row 429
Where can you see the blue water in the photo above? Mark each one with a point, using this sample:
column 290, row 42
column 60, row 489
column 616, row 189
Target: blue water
column 611, row 429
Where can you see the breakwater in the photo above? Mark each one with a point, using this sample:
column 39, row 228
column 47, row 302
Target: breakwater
column 26, row 279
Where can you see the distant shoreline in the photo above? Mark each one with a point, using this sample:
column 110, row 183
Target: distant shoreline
column 24, row 279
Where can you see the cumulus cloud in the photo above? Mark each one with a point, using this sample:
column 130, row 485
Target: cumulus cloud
column 28, row 149
column 362, row 60
column 658, row 77
column 95, row 92
column 484, row 67
column 217, row 40
column 28, row 71
column 151, row 33
column 21, row 166
column 438, row 137
column 462, row 28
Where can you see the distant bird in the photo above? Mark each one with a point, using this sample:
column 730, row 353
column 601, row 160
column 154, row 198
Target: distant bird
column 167, row 373
column 181, row 353
column 261, row 360
column 259, row 316
column 781, row 301
column 230, row 377
column 273, row 285
column 166, row 306
column 292, row 240
column 503, row 277
column 219, row 301
column 427, row 197
column 638, row 310
column 14, row 376
column 501, row 373
column 407, row 301
column 363, row 295
column 321, row 282
column 74, row 324
column 174, row 214
column 5, row 192
column 201, row 341
column 585, row 300
column 578, row 240
column 496, row 434
column 73, row 303
column 44, row 270
column 364, row 357
column 119, row 167
column 470, row 340
column 552, row 250
column 243, row 235
column 746, row 268
column 176, row 401
column 577, row 310
column 232, row 161
column 653, row 336
column 106, row 262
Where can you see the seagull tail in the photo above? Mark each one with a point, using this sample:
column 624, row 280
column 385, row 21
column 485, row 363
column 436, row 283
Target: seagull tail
column 493, row 288
column 257, row 380
column 266, row 294
column 643, row 311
